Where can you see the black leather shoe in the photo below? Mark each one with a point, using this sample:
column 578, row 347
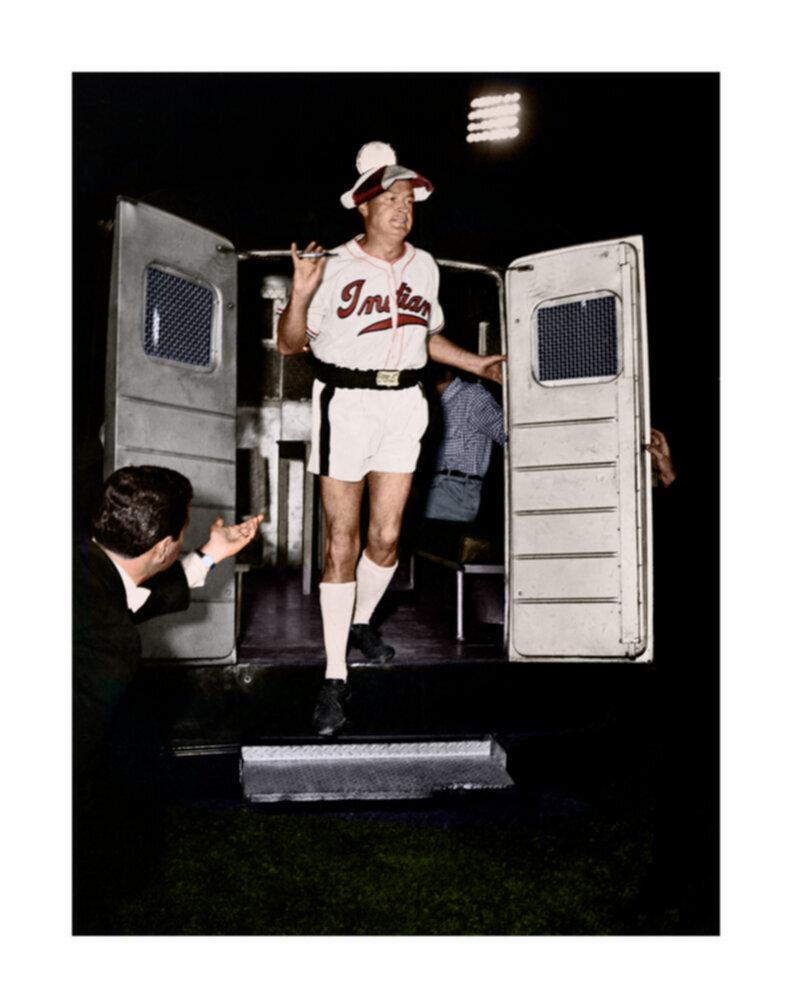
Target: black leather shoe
column 365, row 638
column 328, row 715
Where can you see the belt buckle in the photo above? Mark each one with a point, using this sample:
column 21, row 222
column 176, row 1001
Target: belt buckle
column 388, row 379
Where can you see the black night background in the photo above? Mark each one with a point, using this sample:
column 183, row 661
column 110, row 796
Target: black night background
column 263, row 158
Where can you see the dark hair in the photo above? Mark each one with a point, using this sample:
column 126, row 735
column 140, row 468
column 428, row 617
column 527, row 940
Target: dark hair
column 437, row 372
column 139, row 506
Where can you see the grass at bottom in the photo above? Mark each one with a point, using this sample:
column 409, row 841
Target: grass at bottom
column 236, row 871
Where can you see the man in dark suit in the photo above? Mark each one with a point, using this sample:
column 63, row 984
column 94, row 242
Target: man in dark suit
column 125, row 573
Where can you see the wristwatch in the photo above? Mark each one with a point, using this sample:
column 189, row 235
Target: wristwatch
column 206, row 560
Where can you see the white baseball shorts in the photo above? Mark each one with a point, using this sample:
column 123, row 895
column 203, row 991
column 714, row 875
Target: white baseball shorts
column 358, row 431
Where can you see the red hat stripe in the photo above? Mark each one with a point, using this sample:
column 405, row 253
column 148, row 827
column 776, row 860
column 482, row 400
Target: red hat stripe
column 371, row 186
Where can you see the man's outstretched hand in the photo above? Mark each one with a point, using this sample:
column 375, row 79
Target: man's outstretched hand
column 491, row 368
column 226, row 540
column 443, row 351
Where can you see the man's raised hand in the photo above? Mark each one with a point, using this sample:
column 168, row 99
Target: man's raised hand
column 307, row 272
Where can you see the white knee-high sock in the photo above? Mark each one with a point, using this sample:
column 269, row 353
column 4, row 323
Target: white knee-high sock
column 372, row 580
column 336, row 602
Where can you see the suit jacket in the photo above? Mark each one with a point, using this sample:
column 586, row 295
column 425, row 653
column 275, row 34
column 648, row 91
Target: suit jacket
column 116, row 771
column 106, row 642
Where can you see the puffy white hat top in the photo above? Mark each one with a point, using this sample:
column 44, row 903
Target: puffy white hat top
column 376, row 162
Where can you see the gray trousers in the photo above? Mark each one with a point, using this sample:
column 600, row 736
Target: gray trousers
column 453, row 498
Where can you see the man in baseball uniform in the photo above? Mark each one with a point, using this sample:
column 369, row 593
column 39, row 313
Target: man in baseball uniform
column 369, row 313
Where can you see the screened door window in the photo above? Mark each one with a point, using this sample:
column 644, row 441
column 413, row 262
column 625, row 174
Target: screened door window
column 178, row 321
column 577, row 340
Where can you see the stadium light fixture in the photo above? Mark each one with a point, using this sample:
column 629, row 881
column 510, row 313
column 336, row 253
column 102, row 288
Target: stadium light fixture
column 494, row 117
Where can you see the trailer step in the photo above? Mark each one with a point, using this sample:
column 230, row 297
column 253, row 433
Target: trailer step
column 365, row 771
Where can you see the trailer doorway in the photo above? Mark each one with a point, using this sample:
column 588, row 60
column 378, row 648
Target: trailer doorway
column 419, row 615
column 195, row 382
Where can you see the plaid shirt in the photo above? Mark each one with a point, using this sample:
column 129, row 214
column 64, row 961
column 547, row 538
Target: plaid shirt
column 473, row 420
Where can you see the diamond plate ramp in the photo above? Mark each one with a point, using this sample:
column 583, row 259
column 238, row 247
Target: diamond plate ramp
column 371, row 770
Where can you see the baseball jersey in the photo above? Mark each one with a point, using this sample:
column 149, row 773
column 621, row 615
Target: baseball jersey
column 369, row 314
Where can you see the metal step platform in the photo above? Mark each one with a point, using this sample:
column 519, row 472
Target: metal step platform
column 364, row 771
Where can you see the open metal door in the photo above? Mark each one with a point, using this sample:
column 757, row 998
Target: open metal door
column 171, row 395
column 578, row 494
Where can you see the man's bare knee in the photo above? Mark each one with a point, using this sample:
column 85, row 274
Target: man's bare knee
column 388, row 494
column 341, row 503
column 341, row 556
column 382, row 544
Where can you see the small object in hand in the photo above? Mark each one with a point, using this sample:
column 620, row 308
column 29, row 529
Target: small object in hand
column 315, row 255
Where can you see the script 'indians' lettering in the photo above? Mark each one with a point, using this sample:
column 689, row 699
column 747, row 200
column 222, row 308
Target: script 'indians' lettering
column 413, row 309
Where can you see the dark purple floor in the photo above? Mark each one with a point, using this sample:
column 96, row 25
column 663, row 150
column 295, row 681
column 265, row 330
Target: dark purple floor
column 281, row 626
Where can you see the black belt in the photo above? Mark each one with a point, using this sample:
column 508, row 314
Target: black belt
column 350, row 378
column 457, row 472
